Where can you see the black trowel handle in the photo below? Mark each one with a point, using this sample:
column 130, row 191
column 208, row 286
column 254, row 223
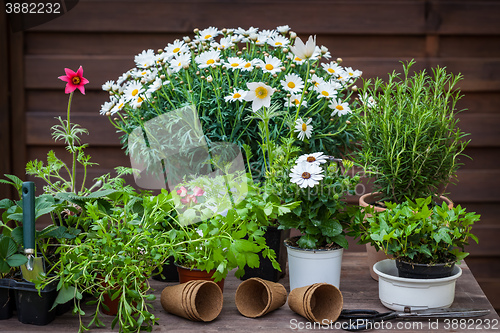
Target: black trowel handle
column 28, row 196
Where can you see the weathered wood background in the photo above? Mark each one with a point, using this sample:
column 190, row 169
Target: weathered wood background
column 371, row 35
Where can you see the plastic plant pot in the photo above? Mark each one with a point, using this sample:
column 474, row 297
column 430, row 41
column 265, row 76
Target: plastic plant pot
column 33, row 307
column 306, row 266
column 7, row 301
column 400, row 294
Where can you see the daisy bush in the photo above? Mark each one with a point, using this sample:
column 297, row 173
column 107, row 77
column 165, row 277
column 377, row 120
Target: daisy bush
column 235, row 78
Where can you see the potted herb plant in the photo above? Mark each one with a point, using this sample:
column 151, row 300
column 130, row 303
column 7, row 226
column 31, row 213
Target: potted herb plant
column 409, row 140
column 426, row 241
column 222, row 228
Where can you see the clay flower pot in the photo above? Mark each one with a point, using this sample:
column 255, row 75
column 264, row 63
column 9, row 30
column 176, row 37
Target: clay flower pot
column 189, row 274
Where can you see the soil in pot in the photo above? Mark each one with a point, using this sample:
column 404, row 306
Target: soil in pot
column 265, row 270
column 188, row 274
column 424, row 271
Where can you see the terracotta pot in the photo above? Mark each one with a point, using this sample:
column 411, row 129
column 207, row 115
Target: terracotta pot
column 374, row 256
column 189, row 274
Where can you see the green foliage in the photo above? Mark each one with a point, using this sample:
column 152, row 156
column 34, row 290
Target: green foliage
column 416, row 231
column 323, row 212
column 411, row 143
column 9, row 256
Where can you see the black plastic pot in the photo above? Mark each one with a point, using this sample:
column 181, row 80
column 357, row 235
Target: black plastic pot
column 7, row 302
column 34, row 308
column 424, row 271
column 274, row 239
column 169, row 272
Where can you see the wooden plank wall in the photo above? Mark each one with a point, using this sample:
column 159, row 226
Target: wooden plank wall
column 372, row 35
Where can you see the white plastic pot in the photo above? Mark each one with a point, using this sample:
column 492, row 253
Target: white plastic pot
column 306, row 266
column 398, row 293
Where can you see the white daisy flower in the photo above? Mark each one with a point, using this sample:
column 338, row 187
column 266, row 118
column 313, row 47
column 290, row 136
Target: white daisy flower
column 303, row 128
column 133, row 90
column 339, row 108
column 156, row 85
column 306, row 174
column 353, row 74
column 237, row 95
column 176, row 47
column 292, row 83
column 332, row 68
column 283, row 29
column 106, row 107
column 326, row 90
column 278, row 41
column 296, row 60
column 108, row 85
column 324, row 51
column 316, row 158
column 343, row 77
column 259, row 94
column 235, row 63
column 262, row 37
column 294, row 100
column 136, row 102
column 180, row 61
column 208, row 59
column 124, row 77
column 316, row 81
column 369, row 101
column 247, row 32
column 223, row 44
column 145, row 59
column 271, row 65
column 304, row 51
column 118, row 106
column 208, row 33
column 248, row 65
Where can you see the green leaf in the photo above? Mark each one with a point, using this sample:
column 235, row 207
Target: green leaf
column 65, row 295
column 7, row 247
column 307, row 242
column 331, row 229
column 17, row 260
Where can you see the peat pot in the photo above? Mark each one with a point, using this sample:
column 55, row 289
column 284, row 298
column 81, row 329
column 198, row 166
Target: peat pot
column 399, row 293
column 309, row 266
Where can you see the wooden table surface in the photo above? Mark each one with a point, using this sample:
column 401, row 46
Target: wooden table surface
column 357, row 287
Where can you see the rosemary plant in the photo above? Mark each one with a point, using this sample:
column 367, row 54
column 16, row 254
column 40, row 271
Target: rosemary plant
column 411, row 144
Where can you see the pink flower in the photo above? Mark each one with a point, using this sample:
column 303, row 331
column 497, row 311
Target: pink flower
column 74, row 80
column 188, row 199
column 182, row 191
column 198, row 191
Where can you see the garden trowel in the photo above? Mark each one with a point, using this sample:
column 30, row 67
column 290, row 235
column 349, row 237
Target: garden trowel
column 34, row 266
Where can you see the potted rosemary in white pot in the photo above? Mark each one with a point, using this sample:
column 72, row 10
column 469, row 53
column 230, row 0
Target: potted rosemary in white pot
column 410, row 142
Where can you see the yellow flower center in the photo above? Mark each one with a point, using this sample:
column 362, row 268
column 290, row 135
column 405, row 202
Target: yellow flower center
column 179, row 64
column 306, row 175
column 76, row 80
column 248, row 64
column 325, row 93
column 237, row 95
column 297, row 59
column 208, row 36
column 261, row 92
column 139, row 100
column 234, row 64
column 210, row 61
column 311, row 159
column 339, row 107
column 269, row 67
column 177, row 49
column 351, row 74
column 331, row 70
column 304, row 127
column 291, row 85
column 278, row 43
column 135, row 92
column 296, row 101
